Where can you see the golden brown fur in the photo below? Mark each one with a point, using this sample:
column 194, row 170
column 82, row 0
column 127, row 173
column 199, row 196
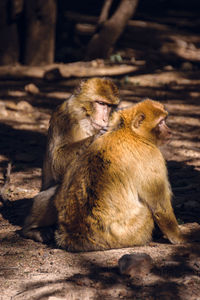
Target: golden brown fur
column 74, row 125
column 119, row 187
column 73, row 122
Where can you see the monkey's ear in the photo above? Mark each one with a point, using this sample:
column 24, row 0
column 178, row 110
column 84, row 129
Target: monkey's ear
column 139, row 118
column 78, row 89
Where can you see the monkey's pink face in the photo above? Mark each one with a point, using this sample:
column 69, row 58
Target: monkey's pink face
column 101, row 113
column 163, row 132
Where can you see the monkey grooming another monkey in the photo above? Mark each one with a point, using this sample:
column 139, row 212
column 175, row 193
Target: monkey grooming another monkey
column 83, row 115
column 73, row 127
column 119, row 187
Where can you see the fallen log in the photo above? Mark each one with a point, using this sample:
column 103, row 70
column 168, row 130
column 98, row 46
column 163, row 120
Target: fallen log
column 77, row 69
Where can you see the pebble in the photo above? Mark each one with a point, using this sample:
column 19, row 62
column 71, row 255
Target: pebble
column 25, row 106
column 135, row 265
column 53, row 74
column 168, row 68
column 186, row 66
column 31, row 88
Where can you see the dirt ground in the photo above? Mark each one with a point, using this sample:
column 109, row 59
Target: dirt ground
column 30, row 270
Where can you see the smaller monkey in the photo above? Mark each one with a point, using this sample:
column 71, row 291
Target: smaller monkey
column 74, row 125
column 85, row 114
column 119, row 187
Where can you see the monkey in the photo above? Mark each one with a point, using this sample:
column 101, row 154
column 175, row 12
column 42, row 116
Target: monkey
column 119, row 188
column 72, row 124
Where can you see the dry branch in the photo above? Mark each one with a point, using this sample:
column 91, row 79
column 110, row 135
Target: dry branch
column 105, row 11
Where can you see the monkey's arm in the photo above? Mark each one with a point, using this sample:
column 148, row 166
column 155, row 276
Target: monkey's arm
column 80, row 146
column 166, row 220
column 63, row 156
column 164, row 216
column 66, row 155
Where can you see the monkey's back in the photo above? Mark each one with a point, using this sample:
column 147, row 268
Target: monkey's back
column 101, row 207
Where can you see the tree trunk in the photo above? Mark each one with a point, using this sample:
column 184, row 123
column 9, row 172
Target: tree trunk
column 40, row 20
column 9, row 42
column 101, row 44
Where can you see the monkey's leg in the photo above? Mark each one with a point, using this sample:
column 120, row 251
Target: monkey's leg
column 43, row 214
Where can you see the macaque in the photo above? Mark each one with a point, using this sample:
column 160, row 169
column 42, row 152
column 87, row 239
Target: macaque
column 73, row 124
column 119, row 187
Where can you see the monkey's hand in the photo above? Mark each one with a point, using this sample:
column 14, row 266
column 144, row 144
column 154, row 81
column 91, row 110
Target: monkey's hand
column 187, row 233
column 177, row 238
column 168, row 224
column 102, row 131
column 42, row 235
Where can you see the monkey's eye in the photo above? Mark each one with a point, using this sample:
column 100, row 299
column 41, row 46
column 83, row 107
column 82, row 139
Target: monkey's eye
column 112, row 105
column 101, row 103
column 162, row 122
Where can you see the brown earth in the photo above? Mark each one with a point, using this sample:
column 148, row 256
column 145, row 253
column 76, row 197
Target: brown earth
column 30, row 270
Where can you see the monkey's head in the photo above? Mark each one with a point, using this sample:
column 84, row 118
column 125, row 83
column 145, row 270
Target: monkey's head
column 98, row 97
column 148, row 119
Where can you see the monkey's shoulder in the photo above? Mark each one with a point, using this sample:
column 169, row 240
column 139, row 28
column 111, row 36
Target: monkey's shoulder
column 124, row 142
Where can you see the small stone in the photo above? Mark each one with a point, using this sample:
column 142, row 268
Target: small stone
column 135, row 265
column 25, row 106
column 53, row 75
column 31, row 88
column 97, row 63
column 168, row 68
column 186, row 66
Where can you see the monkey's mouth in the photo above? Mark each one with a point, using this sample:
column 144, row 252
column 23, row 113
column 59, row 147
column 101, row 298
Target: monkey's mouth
column 168, row 138
column 97, row 126
column 165, row 141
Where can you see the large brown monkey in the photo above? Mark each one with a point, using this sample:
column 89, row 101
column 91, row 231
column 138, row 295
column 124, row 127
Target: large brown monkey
column 83, row 115
column 73, row 127
column 119, row 187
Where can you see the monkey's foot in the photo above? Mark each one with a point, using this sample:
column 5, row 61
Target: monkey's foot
column 42, row 235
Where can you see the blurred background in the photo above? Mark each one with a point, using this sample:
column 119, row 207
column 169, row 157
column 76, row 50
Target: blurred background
column 36, row 32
